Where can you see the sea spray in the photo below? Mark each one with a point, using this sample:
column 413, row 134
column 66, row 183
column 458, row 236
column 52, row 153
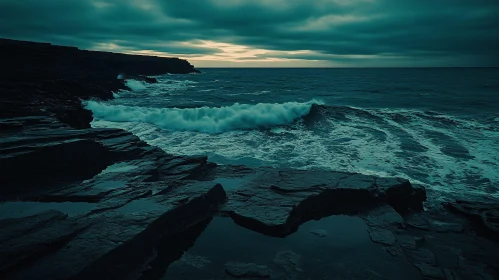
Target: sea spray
column 135, row 85
column 206, row 119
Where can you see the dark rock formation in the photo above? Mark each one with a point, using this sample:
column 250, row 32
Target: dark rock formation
column 172, row 249
column 484, row 211
column 82, row 203
column 88, row 203
column 37, row 161
column 134, row 198
column 25, row 60
column 276, row 202
column 44, row 79
column 440, row 244
column 110, row 244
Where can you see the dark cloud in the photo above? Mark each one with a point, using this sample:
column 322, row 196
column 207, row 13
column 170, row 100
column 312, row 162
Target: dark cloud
column 345, row 32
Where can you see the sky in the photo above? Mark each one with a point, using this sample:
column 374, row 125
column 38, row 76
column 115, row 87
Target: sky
column 269, row 33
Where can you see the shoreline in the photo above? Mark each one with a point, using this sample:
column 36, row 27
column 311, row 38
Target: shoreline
column 102, row 203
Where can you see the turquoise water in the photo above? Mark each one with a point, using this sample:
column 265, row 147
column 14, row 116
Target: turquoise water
column 437, row 127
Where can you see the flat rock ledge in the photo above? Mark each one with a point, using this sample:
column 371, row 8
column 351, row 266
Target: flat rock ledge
column 95, row 203
column 100, row 203
column 453, row 241
column 277, row 202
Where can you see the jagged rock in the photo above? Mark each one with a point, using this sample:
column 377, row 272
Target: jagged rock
column 247, row 270
column 276, row 202
column 141, row 210
column 135, row 202
column 485, row 212
column 113, row 244
column 59, row 77
column 58, row 157
column 49, row 162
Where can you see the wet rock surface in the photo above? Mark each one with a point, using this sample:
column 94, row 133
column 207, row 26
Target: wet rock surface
column 441, row 244
column 276, row 202
column 136, row 198
column 83, row 203
column 102, row 203
column 484, row 212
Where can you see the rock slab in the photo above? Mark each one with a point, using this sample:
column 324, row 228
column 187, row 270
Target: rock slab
column 276, row 201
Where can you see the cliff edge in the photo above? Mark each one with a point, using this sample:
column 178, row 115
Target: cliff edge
column 45, row 79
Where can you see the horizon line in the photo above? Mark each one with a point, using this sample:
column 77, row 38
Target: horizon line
column 345, row 67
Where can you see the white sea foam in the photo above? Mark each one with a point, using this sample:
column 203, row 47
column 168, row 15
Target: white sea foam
column 356, row 145
column 135, row 85
column 121, row 93
column 206, row 119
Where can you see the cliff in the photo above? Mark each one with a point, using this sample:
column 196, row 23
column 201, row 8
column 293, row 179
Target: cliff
column 41, row 78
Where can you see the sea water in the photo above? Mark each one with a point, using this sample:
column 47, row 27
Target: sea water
column 438, row 127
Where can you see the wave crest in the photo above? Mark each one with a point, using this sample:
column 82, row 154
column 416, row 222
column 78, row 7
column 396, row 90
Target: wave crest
column 207, row 119
column 135, row 85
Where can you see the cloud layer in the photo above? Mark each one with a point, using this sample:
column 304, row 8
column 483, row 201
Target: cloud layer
column 269, row 32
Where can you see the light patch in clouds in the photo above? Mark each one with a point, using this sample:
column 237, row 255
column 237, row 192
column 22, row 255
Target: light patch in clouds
column 330, row 21
column 102, row 4
column 230, row 55
column 322, row 33
column 240, row 53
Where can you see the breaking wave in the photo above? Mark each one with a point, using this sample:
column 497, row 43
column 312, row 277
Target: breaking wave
column 207, row 119
column 135, row 85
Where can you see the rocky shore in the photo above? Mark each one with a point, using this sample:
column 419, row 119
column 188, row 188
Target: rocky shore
column 79, row 203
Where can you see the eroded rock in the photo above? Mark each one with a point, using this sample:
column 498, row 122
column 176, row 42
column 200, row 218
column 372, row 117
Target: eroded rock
column 113, row 244
column 485, row 212
column 276, row 202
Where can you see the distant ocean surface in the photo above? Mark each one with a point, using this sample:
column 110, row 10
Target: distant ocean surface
column 436, row 127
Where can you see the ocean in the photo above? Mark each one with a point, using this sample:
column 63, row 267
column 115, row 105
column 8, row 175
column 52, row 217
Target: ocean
column 438, row 127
